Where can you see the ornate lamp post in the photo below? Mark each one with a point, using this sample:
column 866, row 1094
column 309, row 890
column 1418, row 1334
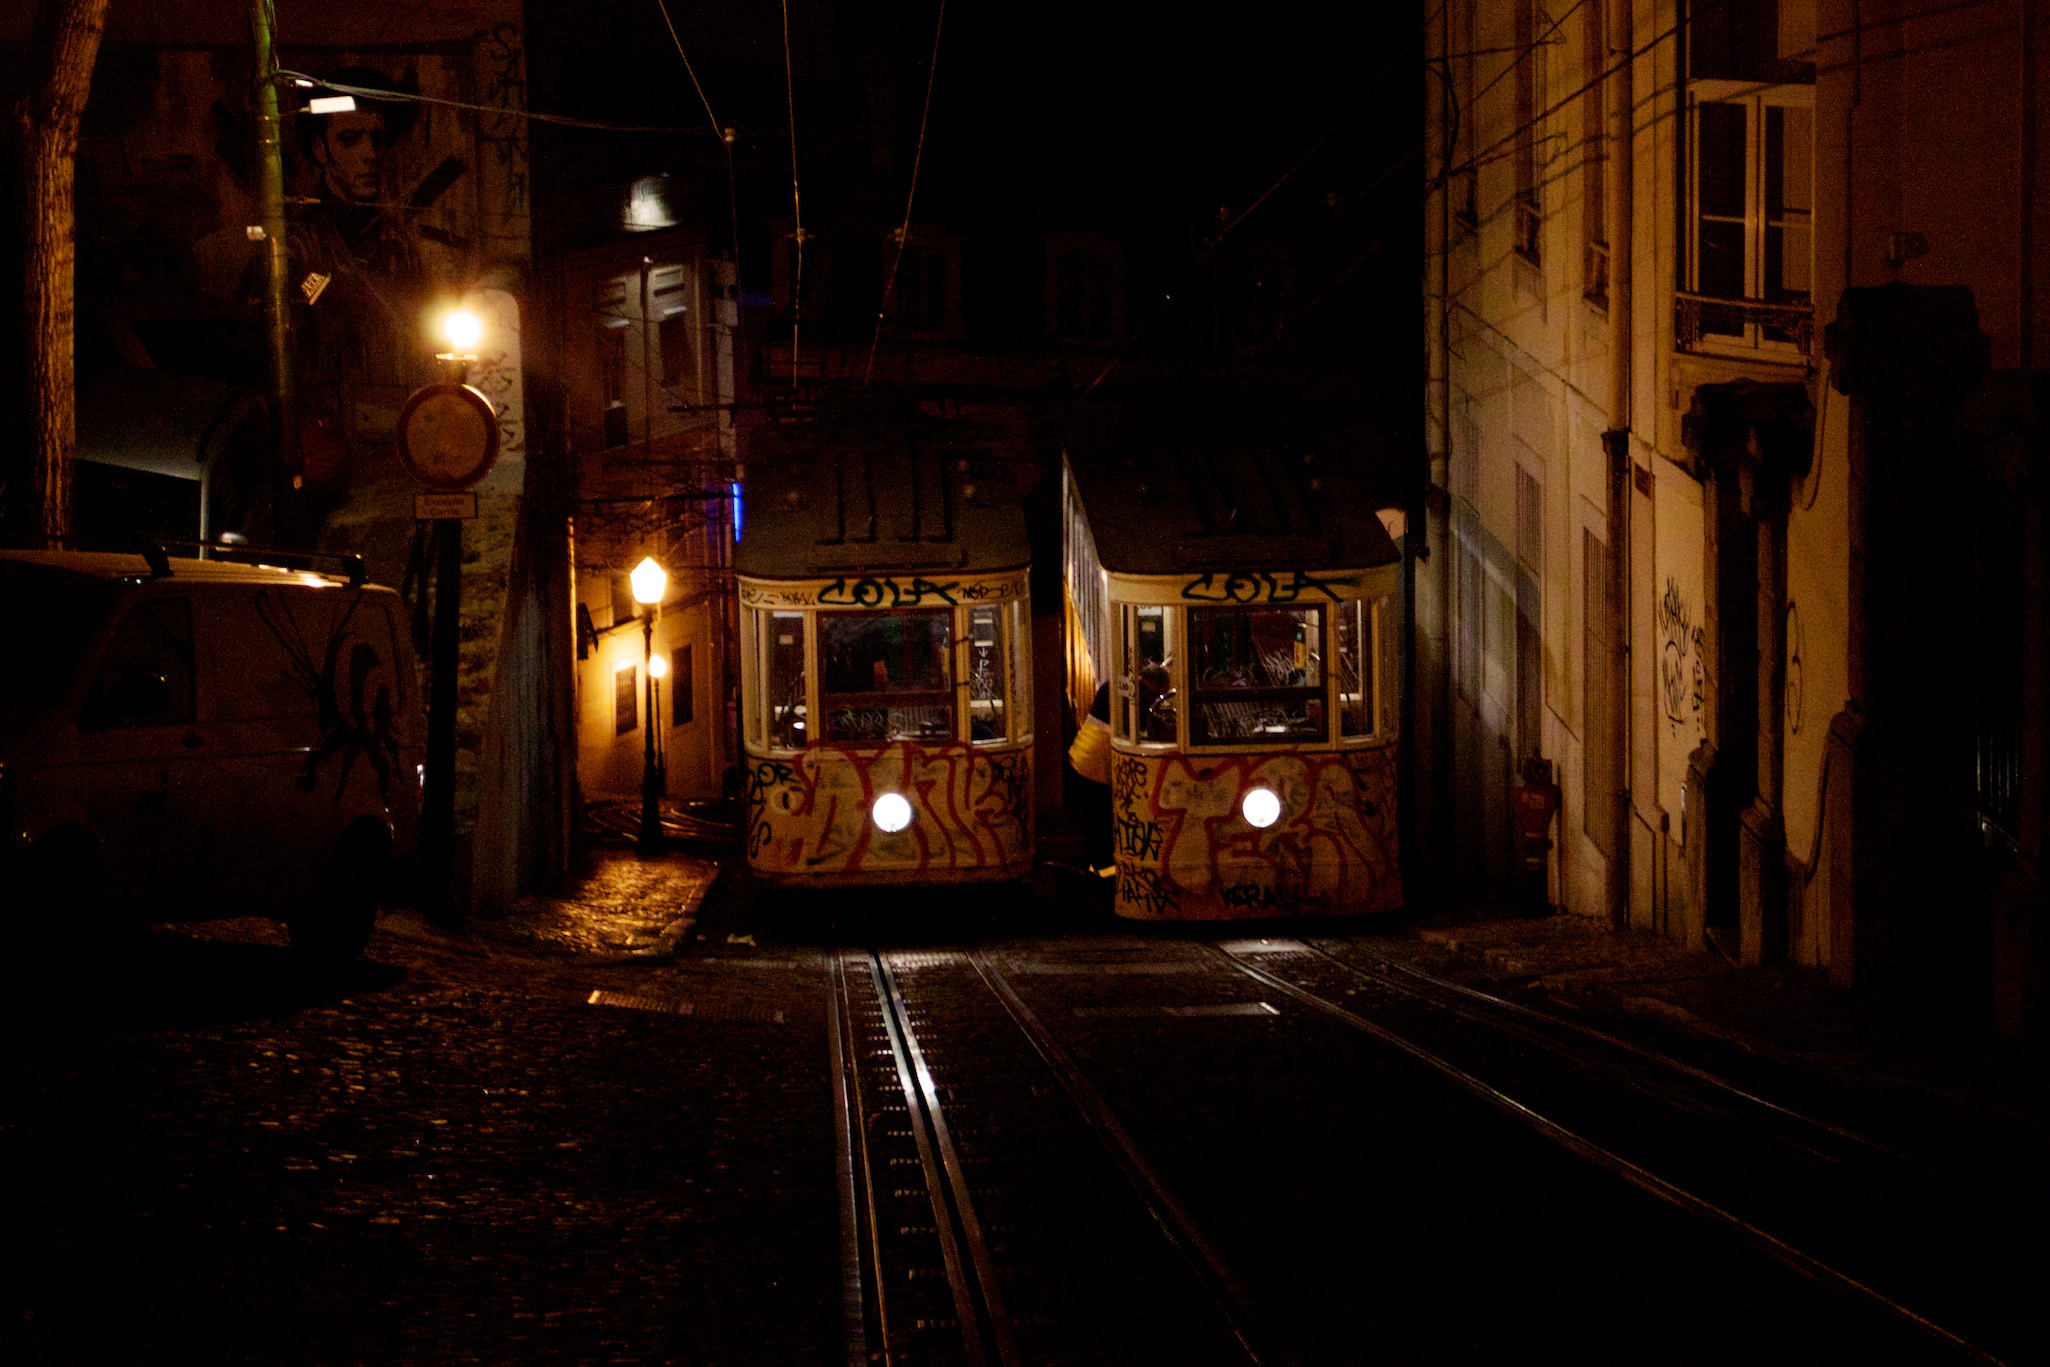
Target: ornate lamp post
column 658, row 670
column 650, row 581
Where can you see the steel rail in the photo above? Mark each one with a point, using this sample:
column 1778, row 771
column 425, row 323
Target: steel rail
column 1644, row 1179
column 1169, row 1214
column 848, row 1133
column 1685, row 1069
column 911, row 1066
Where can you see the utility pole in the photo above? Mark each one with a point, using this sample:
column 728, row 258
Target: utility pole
column 270, row 188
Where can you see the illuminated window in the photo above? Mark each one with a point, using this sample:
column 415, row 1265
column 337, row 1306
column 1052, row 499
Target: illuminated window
column 988, row 673
column 1256, row 675
column 1362, row 650
column 1144, row 706
column 885, row 676
column 784, row 678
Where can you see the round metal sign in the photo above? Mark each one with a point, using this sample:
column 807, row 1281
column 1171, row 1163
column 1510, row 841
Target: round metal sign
column 448, row 436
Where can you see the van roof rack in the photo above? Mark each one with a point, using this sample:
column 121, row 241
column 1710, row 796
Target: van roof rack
column 160, row 564
column 151, row 549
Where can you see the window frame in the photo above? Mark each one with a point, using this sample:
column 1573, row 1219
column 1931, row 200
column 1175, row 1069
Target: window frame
column 1754, row 98
column 1017, row 679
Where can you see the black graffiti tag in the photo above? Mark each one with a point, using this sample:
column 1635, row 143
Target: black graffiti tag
column 1261, row 587
column 1127, row 780
column 1259, row 896
column 1145, row 887
column 1136, row 837
column 762, row 775
column 886, row 593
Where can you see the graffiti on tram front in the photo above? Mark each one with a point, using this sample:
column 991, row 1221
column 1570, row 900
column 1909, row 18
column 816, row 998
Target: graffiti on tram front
column 1183, row 850
column 1288, row 586
column 1144, row 887
column 882, row 593
column 809, row 814
column 888, row 593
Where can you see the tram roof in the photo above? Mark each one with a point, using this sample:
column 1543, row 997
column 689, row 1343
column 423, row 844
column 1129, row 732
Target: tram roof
column 1175, row 483
column 845, row 492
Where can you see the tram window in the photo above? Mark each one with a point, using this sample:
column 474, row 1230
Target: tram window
column 887, row 676
column 783, row 657
column 1146, row 695
column 987, row 694
column 1355, row 642
column 1257, row 675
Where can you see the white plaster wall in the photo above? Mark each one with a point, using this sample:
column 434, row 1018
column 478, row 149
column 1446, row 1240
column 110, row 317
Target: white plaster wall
column 1675, row 645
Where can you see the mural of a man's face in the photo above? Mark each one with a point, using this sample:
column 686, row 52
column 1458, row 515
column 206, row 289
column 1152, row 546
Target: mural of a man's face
column 350, row 150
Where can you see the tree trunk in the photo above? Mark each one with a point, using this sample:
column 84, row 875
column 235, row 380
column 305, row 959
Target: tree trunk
column 65, row 45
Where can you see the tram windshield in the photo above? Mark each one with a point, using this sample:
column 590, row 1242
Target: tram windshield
column 1256, row 675
column 886, row 676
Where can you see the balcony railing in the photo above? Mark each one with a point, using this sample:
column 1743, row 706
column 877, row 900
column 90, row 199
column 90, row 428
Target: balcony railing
column 1703, row 322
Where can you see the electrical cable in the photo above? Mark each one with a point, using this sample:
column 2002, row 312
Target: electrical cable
column 725, row 135
column 904, row 233
column 796, row 202
column 304, row 81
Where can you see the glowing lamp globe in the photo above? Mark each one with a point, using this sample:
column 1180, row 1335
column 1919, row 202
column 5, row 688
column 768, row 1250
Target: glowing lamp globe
column 658, row 667
column 1261, row 808
column 891, row 813
column 462, row 329
column 650, row 582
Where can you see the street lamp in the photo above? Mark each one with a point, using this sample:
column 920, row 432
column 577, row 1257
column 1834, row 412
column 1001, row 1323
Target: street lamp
column 650, row 581
column 658, row 670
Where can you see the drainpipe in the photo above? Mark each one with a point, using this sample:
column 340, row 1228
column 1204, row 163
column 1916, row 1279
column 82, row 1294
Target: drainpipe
column 1622, row 218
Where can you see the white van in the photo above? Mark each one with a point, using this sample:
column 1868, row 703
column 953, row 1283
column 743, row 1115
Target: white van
column 185, row 739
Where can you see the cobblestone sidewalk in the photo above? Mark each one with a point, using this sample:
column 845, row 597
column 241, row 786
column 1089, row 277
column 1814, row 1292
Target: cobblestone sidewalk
column 621, row 907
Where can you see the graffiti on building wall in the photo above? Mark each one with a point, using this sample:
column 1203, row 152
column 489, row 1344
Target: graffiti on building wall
column 1183, row 849
column 1796, row 644
column 808, row 814
column 1682, row 683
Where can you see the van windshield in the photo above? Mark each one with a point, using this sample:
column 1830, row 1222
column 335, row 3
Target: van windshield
column 47, row 618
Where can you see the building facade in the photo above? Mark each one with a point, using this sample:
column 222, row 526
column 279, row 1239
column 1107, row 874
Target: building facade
column 1731, row 311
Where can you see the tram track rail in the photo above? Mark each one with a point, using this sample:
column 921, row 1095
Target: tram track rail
column 1632, row 1063
column 1260, row 966
column 957, row 1245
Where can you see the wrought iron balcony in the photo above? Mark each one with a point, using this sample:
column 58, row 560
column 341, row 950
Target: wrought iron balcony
column 1703, row 322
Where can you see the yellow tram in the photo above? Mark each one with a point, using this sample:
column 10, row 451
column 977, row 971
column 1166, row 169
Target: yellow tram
column 885, row 667
column 1247, row 612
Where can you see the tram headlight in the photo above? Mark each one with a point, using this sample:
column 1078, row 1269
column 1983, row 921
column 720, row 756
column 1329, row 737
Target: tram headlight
column 1260, row 807
column 891, row 813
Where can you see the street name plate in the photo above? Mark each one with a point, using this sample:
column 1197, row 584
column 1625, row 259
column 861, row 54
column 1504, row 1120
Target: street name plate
column 444, row 507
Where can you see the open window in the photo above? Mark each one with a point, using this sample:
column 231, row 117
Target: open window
column 1750, row 156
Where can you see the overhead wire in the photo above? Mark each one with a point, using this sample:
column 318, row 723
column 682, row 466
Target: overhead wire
column 725, row 135
column 796, row 203
column 306, row 81
column 904, row 232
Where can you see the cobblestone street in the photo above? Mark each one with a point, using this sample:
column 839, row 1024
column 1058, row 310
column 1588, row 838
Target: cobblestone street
column 570, row 1136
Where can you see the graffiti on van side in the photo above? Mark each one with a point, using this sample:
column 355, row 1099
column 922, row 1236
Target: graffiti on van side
column 355, row 718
